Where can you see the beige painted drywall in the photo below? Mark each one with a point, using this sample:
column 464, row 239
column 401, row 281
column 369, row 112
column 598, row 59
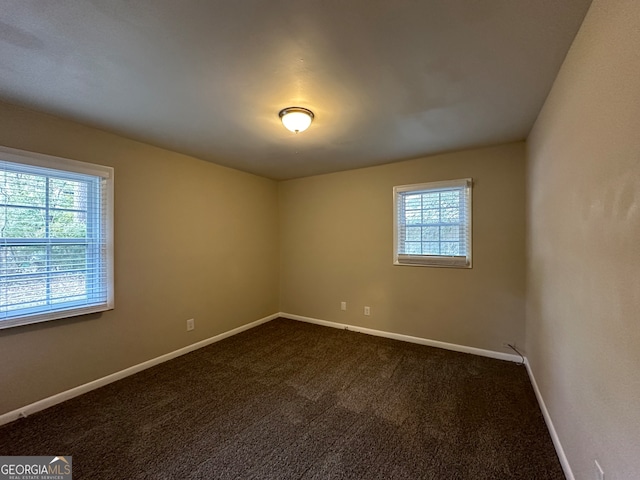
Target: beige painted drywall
column 336, row 237
column 192, row 240
column 583, row 276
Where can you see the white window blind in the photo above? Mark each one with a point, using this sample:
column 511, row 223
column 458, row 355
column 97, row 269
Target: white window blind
column 432, row 224
column 56, row 254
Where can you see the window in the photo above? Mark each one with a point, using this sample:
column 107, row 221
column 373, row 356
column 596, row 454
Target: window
column 432, row 224
column 56, row 248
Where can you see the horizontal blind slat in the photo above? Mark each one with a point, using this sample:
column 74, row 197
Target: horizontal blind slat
column 53, row 240
column 433, row 222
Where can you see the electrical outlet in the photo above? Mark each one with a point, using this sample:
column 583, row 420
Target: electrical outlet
column 343, row 305
column 191, row 324
column 367, row 311
column 599, row 471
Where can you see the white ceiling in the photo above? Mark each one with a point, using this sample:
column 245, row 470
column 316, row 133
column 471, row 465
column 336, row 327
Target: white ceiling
column 387, row 79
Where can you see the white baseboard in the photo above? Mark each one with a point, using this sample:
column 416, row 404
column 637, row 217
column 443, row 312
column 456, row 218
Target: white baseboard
column 407, row 338
column 458, row 348
column 87, row 387
column 552, row 429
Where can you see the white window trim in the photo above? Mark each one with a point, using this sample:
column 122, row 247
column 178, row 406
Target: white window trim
column 64, row 164
column 434, row 260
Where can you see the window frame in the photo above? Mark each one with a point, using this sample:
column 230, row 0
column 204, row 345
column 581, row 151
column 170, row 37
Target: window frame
column 433, row 260
column 62, row 165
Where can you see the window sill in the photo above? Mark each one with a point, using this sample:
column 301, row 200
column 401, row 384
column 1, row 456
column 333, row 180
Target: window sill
column 443, row 262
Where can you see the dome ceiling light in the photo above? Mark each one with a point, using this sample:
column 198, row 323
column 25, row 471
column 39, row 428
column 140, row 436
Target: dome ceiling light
column 296, row 119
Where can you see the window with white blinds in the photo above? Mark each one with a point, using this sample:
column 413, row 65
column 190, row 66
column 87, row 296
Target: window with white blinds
column 56, row 249
column 432, row 224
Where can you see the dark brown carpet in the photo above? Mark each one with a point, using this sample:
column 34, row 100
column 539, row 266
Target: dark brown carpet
column 289, row 400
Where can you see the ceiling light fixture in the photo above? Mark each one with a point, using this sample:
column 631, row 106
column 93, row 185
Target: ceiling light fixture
column 296, row 119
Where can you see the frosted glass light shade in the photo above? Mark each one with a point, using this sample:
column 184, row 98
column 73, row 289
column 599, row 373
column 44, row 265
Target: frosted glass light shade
column 296, row 119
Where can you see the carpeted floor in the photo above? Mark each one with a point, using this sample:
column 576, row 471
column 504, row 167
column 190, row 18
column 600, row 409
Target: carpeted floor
column 289, row 400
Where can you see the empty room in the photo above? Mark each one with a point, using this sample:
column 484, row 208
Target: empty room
column 320, row 239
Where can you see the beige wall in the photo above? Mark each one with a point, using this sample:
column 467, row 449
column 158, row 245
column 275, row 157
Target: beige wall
column 583, row 308
column 192, row 240
column 336, row 245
